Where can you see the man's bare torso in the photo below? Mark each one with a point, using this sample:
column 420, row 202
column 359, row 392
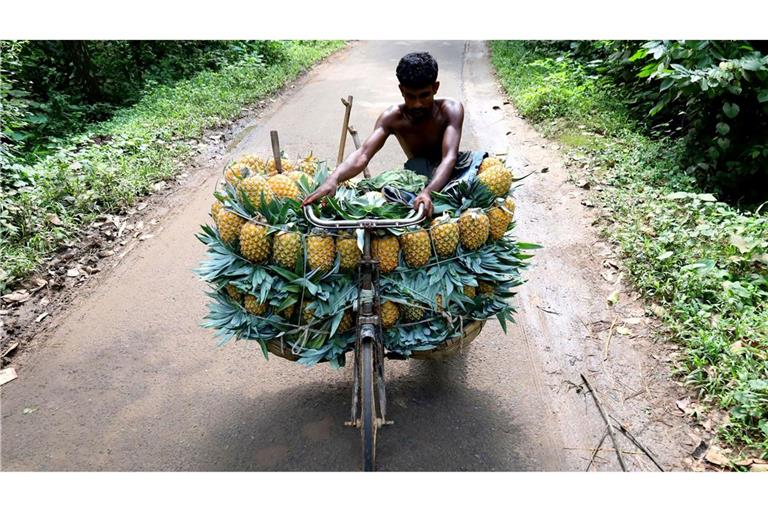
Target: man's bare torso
column 421, row 137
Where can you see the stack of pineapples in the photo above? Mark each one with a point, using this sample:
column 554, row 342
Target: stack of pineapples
column 277, row 280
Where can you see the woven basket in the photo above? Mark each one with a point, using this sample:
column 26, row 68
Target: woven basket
column 444, row 351
column 453, row 345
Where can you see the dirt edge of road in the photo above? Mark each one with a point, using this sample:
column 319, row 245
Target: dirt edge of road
column 25, row 325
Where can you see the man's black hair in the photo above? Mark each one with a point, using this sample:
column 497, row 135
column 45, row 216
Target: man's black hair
column 417, row 69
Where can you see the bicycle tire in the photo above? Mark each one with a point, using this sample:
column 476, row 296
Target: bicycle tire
column 368, row 407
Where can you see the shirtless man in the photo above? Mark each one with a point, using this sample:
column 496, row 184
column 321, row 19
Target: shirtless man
column 428, row 129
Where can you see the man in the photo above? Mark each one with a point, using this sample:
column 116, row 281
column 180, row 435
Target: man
column 428, row 129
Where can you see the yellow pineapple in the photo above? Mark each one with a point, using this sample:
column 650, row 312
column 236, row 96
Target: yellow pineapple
column 308, row 164
column 297, row 176
column 445, row 235
column 474, row 228
column 283, row 186
column 390, row 314
column 347, row 321
column 252, row 162
column 254, row 307
column 321, row 251
column 234, row 173
column 485, row 288
column 256, row 188
column 308, row 313
column 499, row 219
column 470, row 291
column 412, row 313
column 349, row 252
column 234, row 293
column 496, row 180
column 287, row 313
column 215, row 209
column 439, row 302
column 416, row 248
column 272, row 168
column 509, row 204
column 286, row 249
column 229, row 224
column 254, row 242
column 386, row 249
column 489, row 162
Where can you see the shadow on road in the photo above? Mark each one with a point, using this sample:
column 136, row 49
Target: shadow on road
column 441, row 424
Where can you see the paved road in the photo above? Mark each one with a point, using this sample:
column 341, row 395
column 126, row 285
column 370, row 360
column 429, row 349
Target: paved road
column 129, row 381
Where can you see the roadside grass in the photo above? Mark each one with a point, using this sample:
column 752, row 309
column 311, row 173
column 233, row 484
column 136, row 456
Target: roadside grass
column 111, row 164
column 703, row 263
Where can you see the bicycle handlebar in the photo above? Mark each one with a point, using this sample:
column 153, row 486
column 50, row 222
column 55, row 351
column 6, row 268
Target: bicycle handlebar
column 414, row 217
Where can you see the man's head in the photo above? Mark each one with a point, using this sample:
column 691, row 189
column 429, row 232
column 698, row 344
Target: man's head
column 417, row 74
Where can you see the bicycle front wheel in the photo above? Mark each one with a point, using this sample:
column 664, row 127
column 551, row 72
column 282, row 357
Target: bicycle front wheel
column 368, row 422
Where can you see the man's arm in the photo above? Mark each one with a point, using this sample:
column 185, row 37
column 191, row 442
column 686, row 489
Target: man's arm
column 451, row 140
column 356, row 161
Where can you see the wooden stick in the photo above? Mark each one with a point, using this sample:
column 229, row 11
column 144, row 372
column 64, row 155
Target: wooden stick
column 608, row 341
column 632, row 438
column 276, row 151
column 348, row 104
column 356, row 140
column 594, row 453
column 607, row 422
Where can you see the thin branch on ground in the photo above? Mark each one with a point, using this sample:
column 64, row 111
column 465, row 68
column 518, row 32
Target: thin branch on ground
column 607, row 422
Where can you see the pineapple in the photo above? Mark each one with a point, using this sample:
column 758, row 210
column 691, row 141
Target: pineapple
column 470, row 291
column 229, row 224
column 286, row 249
column 413, row 313
column 215, row 209
column 321, row 251
column 349, row 252
column 387, row 250
column 497, row 180
column 235, row 173
column 347, row 321
column 254, row 307
column 308, row 164
column 485, row 288
column 297, row 176
column 272, row 168
column 308, row 313
column 252, row 162
column 474, row 227
column 254, row 242
column 439, row 303
column 234, row 293
column 283, row 186
column 499, row 219
column 390, row 313
column 256, row 188
column 487, row 163
column 287, row 313
column 509, row 204
column 416, row 250
column 445, row 236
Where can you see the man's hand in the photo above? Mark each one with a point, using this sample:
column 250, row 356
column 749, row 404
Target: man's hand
column 426, row 200
column 328, row 188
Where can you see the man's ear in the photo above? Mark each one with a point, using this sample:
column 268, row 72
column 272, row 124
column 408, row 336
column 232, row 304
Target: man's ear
column 435, row 87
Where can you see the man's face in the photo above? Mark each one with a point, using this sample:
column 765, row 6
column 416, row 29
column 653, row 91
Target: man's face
column 419, row 100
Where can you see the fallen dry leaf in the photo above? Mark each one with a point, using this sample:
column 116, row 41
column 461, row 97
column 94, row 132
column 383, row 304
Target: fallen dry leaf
column 658, row 310
column 7, row 375
column 717, row 457
column 54, row 219
column 623, row 331
column 73, row 272
column 19, row 296
column 633, row 321
column 39, row 318
column 683, row 405
column 759, row 468
column 613, row 298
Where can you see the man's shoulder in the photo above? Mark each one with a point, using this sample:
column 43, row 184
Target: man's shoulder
column 450, row 104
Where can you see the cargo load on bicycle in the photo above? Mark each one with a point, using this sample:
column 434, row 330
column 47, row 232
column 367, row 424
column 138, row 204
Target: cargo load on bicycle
column 293, row 288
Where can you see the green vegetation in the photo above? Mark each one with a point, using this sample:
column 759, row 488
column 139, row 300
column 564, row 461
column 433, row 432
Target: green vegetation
column 705, row 262
column 54, row 182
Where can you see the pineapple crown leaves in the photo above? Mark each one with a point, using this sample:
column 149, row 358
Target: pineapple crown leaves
column 403, row 179
column 461, row 195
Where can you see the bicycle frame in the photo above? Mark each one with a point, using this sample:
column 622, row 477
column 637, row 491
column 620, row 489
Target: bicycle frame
column 368, row 389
